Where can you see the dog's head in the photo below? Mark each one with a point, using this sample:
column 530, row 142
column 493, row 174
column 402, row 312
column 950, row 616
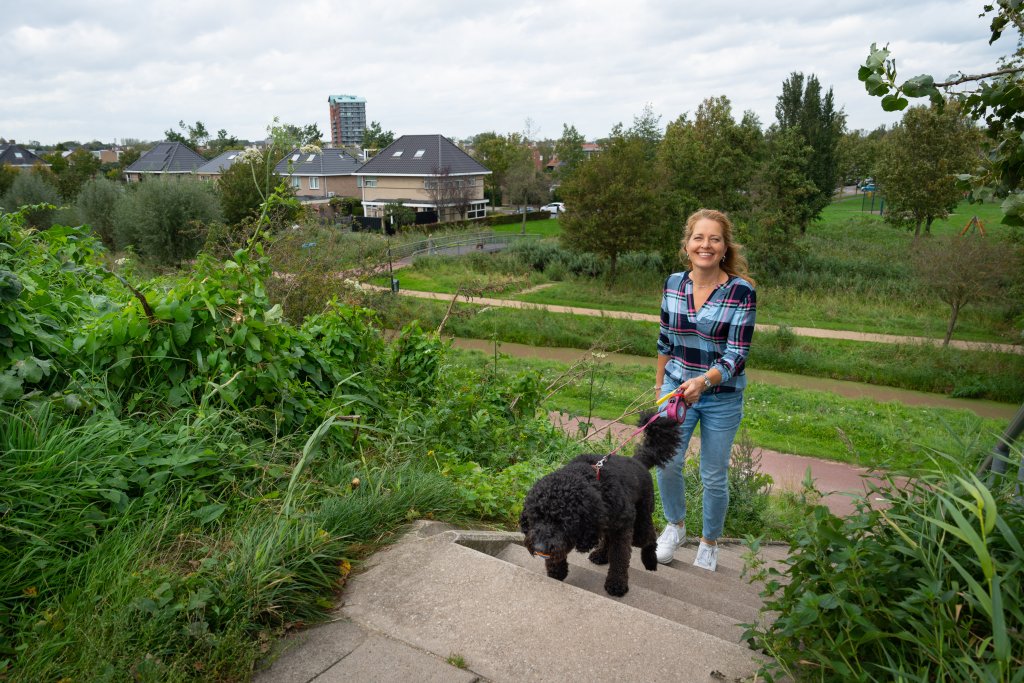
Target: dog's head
column 561, row 512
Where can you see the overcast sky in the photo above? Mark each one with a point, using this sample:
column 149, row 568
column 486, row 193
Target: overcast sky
column 111, row 69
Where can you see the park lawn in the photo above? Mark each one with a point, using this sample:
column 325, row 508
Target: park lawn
column 548, row 227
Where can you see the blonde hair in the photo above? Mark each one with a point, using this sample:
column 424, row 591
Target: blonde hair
column 734, row 263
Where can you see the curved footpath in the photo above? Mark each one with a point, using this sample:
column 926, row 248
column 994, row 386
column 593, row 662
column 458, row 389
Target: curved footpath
column 646, row 317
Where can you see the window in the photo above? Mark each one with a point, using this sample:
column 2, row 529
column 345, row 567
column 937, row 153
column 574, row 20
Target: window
column 314, row 183
column 295, row 157
column 398, row 153
column 477, row 210
column 310, row 158
column 418, row 154
column 296, row 181
column 369, row 182
column 18, row 155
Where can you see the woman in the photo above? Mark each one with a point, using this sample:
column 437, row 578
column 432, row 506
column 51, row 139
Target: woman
column 707, row 322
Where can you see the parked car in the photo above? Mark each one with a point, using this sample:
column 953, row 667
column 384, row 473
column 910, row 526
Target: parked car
column 554, row 207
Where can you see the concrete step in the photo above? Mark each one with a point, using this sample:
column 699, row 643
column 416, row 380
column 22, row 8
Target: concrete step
column 447, row 594
column 643, row 595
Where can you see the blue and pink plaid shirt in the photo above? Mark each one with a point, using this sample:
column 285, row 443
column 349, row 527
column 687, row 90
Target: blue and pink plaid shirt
column 716, row 336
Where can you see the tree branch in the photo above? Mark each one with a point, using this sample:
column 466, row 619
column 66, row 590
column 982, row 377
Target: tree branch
column 138, row 295
column 978, row 77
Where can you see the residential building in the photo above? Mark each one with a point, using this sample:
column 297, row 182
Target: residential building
column 318, row 176
column 172, row 159
column 348, row 120
column 424, row 173
column 13, row 154
column 213, row 168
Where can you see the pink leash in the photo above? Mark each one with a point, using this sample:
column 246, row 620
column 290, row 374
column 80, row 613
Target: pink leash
column 675, row 409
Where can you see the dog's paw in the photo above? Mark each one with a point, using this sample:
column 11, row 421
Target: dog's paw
column 598, row 557
column 557, row 570
column 616, row 587
column 650, row 558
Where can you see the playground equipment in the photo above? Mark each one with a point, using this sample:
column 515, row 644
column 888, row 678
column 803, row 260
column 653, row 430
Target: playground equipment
column 974, row 224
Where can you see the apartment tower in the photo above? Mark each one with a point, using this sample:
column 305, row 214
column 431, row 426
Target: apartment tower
column 348, row 120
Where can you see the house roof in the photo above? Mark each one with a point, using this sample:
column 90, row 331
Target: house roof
column 167, row 157
column 329, row 161
column 422, row 155
column 220, row 163
column 12, row 154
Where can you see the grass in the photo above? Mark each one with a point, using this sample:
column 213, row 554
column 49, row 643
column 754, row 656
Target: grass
column 857, row 431
column 921, row 367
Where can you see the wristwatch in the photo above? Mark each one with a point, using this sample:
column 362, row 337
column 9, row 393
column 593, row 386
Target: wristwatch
column 707, row 383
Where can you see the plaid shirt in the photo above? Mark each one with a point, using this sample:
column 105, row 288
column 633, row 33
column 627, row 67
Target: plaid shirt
column 716, row 336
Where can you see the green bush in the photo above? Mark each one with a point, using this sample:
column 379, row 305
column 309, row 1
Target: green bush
column 165, row 220
column 96, row 206
column 926, row 586
column 31, row 189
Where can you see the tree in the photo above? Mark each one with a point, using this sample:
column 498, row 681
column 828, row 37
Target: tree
column 165, row 221
column 995, row 98
column 498, row 153
column 803, row 108
column 196, row 138
column 72, row 171
column 919, row 163
column 7, row 176
column 96, row 206
column 965, row 270
column 397, row 216
column 709, row 161
column 569, row 150
column 857, row 154
column 222, row 143
column 450, row 194
column 374, row 137
column 779, row 202
column 243, row 187
column 526, row 185
column 618, row 203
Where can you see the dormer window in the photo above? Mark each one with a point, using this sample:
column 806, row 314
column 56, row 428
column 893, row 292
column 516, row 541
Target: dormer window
column 419, row 153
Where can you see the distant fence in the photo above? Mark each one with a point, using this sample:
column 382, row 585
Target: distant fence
column 459, row 244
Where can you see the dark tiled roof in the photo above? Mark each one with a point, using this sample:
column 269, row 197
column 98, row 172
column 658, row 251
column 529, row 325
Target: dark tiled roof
column 16, row 155
column 330, row 161
column 422, row 155
column 220, row 163
column 167, row 157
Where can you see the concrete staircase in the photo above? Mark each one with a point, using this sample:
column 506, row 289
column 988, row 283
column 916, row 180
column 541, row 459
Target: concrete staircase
column 441, row 595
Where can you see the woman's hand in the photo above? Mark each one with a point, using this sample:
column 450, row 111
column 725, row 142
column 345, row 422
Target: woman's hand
column 692, row 389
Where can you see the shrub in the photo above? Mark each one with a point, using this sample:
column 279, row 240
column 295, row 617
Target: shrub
column 165, row 220
column 928, row 588
column 96, row 206
column 31, row 189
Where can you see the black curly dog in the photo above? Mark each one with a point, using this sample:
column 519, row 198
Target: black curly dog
column 607, row 510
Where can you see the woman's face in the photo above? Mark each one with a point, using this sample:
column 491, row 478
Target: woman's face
column 706, row 245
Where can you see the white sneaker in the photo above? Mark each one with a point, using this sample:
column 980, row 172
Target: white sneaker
column 707, row 557
column 671, row 538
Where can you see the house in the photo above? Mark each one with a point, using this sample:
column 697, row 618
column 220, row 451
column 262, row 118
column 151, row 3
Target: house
column 172, row 159
column 316, row 176
column 213, row 168
column 12, row 154
column 424, row 173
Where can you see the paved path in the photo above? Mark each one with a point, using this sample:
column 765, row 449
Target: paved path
column 646, row 317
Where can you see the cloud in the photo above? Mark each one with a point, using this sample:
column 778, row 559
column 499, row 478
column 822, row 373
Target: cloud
column 117, row 69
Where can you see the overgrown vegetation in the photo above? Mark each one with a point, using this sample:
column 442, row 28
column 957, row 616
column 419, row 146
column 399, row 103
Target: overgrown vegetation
column 922, row 586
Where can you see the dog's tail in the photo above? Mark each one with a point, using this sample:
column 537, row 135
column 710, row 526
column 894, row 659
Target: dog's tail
column 661, row 439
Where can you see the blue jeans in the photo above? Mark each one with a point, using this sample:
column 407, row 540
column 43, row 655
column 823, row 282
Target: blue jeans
column 719, row 416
